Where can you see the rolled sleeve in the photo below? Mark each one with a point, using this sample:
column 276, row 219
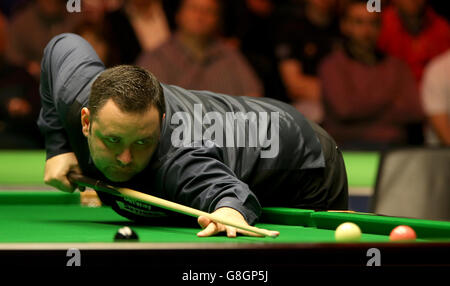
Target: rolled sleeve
column 68, row 66
column 198, row 178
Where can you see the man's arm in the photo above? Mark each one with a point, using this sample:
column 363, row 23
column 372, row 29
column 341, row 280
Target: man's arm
column 299, row 85
column 68, row 66
column 197, row 177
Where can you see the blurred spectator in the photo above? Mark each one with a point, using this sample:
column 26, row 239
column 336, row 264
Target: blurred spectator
column 7, row 7
column 436, row 99
column 93, row 11
column 32, row 28
column 304, row 41
column 19, row 103
column 252, row 24
column 413, row 32
column 139, row 26
column 369, row 97
column 195, row 58
column 95, row 35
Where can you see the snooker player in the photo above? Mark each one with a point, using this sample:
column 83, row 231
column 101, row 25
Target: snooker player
column 123, row 126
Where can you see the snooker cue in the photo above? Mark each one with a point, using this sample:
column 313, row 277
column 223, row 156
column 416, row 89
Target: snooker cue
column 100, row 186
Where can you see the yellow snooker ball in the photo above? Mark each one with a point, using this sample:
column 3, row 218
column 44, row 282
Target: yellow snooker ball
column 347, row 232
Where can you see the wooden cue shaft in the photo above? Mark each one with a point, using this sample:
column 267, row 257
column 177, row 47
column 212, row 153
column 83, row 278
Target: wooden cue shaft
column 149, row 199
column 188, row 210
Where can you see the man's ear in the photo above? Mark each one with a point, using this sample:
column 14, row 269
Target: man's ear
column 85, row 121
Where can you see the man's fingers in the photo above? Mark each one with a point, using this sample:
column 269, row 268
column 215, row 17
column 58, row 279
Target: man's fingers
column 249, row 233
column 203, row 221
column 62, row 184
column 57, row 168
column 76, row 170
column 211, row 229
column 231, row 231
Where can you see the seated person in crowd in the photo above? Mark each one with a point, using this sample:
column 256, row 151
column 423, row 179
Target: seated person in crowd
column 95, row 35
column 413, row 32
column 138, row 26
column 304, row 40
column 252, row 25
column 368, row 96
column 196, row 58
column 32, row 27
column 19, row 103
column 436, row 100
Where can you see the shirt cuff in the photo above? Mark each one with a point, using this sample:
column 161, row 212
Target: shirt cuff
column 56, row 143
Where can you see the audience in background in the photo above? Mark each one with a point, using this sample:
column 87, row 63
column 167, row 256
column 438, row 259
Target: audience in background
column 363, row 96
column 92, row 28
column 139, row 26
column 19, row 103
column 368, row 96
column 93, row 11
column 9, row 7
column 413, row 32
column 32, row 28
column 95, row 35
column 196, row 58
column 436, row 100
column 304, row 41
column 252, row 26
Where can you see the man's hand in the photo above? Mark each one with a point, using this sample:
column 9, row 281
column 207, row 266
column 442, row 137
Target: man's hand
column 212, row 228
column 57, row 168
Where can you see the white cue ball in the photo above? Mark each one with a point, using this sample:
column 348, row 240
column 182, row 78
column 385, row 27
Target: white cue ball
column 347, row 232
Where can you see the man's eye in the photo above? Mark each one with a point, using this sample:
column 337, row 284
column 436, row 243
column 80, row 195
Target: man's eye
column 113, row 140
column 141, row 142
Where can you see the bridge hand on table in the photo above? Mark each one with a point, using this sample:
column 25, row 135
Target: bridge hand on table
column 212, row 228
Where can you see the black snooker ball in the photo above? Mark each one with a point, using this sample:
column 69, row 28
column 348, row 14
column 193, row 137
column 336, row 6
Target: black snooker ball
column 126, row 234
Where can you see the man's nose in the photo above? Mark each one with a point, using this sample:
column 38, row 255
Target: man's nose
column 125, row 157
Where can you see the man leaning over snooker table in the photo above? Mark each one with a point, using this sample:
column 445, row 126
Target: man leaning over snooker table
column 122, row 126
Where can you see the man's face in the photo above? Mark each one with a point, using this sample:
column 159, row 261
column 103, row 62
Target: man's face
column 121, row 144
column 411, row 7
column 51, row 8
column 361, row 26
column 198, row 17
column 326, row 6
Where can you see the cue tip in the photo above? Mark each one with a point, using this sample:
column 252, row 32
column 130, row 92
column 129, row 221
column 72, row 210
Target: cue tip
column 274, row 235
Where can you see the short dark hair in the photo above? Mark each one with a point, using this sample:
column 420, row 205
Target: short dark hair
column 132, row 88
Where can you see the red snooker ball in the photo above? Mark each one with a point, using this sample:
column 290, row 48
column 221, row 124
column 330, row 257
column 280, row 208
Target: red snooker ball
column 403, row 233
